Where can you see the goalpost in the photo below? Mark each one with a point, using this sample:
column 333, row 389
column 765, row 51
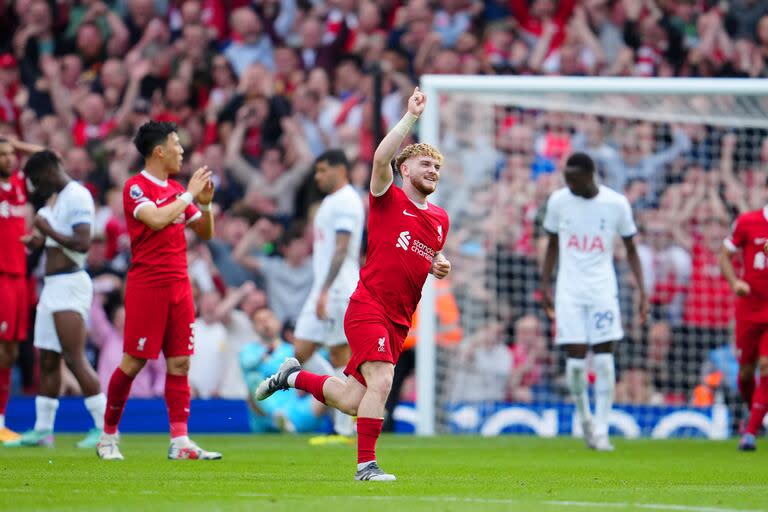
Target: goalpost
column 491, row 127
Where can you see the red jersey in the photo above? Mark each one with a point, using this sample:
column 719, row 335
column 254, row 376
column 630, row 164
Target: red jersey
column 13, row 198
column 402, row 241
column 749, row 235
column 710, row 301
column 157, row 257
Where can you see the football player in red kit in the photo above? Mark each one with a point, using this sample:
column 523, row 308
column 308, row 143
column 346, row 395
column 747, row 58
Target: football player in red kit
column 14, row 314
column 405, row 236
column 748, row 237
column 159, row 310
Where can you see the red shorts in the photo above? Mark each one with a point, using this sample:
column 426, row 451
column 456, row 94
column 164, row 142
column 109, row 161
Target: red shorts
column 159, row 317
column 371, row 336
column 751, row 340
column 14, row 308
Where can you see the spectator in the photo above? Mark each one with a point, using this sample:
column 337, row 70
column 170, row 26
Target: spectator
column 210, row 339
column 282, row 168
column 529, row 360
column 288, row 277
column 291, row 411
column 250, row 44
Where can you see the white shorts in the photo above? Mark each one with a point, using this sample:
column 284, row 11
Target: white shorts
column 61, row 292
column 328, row 332
column 588, row 323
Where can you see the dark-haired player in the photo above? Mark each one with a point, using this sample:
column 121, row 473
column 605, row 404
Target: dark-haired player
column 159, row 310
column 338, row 232
column 60, row 323
column 582, row 220
column 748, row 237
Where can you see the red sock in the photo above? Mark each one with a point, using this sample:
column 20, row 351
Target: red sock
column 759, row 406
column 368, row 432
column 747, row 389
column 5, row 388
column 117, row 394
column 177, row 402
column 312, row 383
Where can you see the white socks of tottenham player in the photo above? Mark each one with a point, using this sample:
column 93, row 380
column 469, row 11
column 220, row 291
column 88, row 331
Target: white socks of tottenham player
column 45, row 410
column 97, row 405
column 343, row 424
column 605, row 381
column 576, row 377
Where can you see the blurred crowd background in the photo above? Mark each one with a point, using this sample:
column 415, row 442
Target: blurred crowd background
column 260, row 88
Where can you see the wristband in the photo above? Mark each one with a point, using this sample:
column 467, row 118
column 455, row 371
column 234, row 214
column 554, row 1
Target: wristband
column 204, row 207
column 405, row 124
column 187, row 197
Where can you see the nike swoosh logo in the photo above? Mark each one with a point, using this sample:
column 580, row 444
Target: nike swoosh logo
column 161, row 201
column 405, row 212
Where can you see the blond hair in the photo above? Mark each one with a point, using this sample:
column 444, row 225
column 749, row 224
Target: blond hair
column 417, row 150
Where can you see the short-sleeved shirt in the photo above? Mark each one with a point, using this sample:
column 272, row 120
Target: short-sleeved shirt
column 157, row 257
column 73, row 207
column 403, row 239
column 341, row 211
column 749, row 236
column 13, row 198
column 586, row 230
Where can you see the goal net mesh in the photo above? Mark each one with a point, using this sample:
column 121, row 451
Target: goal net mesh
column 688, row 164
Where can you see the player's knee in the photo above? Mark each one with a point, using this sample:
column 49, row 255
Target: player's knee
column 178, row 365
column 49, row 363
column 8, row 354
column 381, row 381
column 131, row 366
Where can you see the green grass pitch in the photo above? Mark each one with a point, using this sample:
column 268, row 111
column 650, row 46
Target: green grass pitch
column 437, row 474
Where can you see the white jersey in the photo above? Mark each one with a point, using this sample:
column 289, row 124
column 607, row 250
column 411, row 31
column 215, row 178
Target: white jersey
column 586, row 229
column 341, row 211
column 73, row 206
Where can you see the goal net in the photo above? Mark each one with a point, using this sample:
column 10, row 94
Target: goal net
column 689, row 154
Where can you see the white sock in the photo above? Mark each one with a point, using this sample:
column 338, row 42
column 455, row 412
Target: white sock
column 343, row 424
column 364, row 464
column 605, row 380
column 180, row 439
column 576, row 377
column 45, row 409
column 292, row 379
column 97, row 405
column 319, row 365
column 2, row 421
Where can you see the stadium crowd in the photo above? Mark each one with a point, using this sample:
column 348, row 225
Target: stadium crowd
column 258, row 89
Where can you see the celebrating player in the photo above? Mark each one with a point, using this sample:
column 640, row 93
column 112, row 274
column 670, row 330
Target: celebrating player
column 67, row 225
column 405, row 236
column 159, row 310
column 582, row 220
column 13, row 269
column 750, row 232
column 338, row 232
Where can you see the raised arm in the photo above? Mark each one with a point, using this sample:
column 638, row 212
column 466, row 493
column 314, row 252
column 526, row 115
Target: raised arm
column 382, row 176
column 242, row 253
